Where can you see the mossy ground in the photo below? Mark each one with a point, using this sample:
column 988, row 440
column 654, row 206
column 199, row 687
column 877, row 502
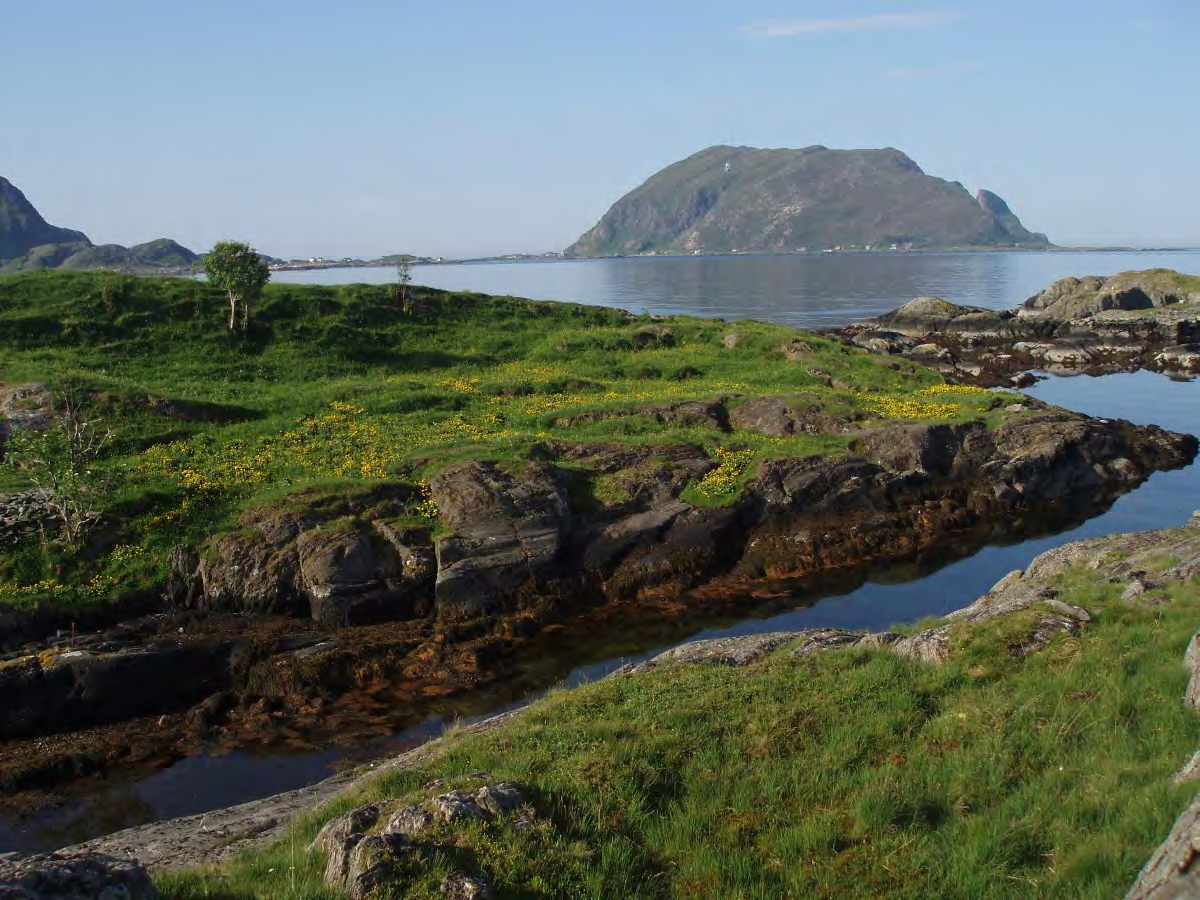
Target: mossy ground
column 341, row 386
column 847, row 773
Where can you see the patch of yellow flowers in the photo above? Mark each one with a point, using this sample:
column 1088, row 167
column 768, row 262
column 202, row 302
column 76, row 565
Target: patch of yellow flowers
column 98, row 587
column 726, row 478
column 917, row 406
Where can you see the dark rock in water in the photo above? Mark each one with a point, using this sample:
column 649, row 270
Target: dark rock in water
column 1135, row 320
column 74, row 876
column 54, row 692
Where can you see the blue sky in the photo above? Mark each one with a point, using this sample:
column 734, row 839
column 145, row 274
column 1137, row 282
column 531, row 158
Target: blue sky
column 467, row 128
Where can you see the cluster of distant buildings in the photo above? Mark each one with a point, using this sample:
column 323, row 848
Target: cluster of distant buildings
column 347, row 262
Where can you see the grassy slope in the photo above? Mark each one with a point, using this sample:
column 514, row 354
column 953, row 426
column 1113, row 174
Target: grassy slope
column 849, row 773
column 339, row 385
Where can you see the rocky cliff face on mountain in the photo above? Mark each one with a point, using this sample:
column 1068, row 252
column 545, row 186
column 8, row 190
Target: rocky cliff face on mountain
column 727, row 199
column 28, row 242
column 22, row 227
column 1133, row 320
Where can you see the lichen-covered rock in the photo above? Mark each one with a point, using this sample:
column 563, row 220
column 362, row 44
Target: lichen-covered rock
column 1173, row 871
column 372, row 864
column 732, row 651
column 409, row 820
column 500, row 799
column 783, row 416
column 340, row 827
column 931, row 646
column 74, row 876
column 1190, row 771
column 460, row 886
column 931, row 315
column 821, row 639
column 455, row 805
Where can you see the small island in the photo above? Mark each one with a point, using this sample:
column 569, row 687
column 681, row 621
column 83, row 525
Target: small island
column 748, row 200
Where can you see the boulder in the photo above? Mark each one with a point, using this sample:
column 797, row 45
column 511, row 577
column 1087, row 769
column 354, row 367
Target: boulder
column 931, row 646
column 500, row 800
column 358, row 574
column 372, row 863
column 409, row 820
column 334, row 832
column 783, row 416
column 508, row 531
column 926, row 448
column 74, row 876
column 460, row 886
column 456, row 805
column 931, row 315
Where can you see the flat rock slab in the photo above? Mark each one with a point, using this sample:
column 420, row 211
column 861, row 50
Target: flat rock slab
column 731, row 651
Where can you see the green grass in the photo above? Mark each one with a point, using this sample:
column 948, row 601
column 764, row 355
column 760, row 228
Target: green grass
column 847, row 773
column 339, row 384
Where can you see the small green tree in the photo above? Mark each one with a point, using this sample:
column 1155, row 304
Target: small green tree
column 60, row 463
column 404, row 267
column 236, row 268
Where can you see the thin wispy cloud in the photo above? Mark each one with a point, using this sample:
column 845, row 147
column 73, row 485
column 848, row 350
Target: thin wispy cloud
column 907, row 21
column 942, row 70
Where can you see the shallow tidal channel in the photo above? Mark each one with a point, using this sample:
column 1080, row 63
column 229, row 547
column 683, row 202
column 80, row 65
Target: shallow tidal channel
column 874, row 599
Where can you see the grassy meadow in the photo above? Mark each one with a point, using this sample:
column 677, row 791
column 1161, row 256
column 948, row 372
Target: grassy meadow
column 342, row 387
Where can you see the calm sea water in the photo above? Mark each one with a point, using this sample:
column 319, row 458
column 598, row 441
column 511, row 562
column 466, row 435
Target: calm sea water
column 811, row 291
column 826, row 290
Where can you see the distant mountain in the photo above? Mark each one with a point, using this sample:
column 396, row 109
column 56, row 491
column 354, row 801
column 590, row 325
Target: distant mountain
column 29, row 242
column 22, row 227
column 727, row 199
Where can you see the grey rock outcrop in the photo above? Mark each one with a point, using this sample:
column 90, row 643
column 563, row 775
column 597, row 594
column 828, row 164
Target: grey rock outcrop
column 1173, row 872
column 461, row 886
column 364, row 862
column 507, row 535
column 74, row 876
column 1136, row 320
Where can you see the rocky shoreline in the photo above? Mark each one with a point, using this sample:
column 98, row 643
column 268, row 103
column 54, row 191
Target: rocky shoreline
column 1135, row 561
column 317, row 604
column 1093, row 325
